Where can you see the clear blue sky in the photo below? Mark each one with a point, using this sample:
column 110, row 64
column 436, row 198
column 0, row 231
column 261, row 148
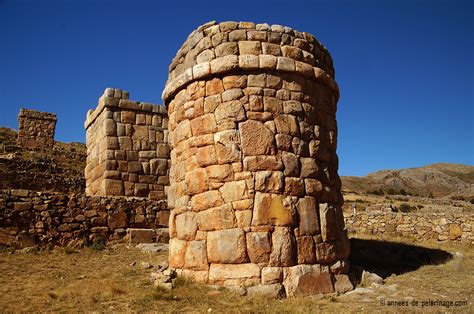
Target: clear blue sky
column 405, row 67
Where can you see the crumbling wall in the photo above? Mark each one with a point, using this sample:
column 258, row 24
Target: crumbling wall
column 38, row 218
column 255, row 193
column 36, row 129
column 127, row 147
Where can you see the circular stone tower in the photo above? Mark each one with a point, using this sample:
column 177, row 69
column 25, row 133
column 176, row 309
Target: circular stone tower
column 255, row 195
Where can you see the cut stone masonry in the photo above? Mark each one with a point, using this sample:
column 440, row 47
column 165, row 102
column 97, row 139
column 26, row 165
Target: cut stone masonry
column 127, row 148
column 255, row 196
column 36, row 129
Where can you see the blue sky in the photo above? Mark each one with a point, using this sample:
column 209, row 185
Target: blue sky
column 405, row 68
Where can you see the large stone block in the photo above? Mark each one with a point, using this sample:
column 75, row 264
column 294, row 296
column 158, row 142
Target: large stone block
column 283, row 247
column 304, row 280
column 272, row 209
column 256, row 138
column 196, row 256
column 259, row 246
column 226, row 246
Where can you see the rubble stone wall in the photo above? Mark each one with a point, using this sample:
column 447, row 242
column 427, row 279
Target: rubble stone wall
column 29, row 217
column 36, row 129
column 456, row 227
column 255, row 193
column 127, row 148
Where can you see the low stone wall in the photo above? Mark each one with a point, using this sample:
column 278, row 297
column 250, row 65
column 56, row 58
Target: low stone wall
column 455, row 227
column 28, row 217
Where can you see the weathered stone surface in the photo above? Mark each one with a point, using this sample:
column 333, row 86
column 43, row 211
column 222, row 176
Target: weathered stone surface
column 257, row 163
column 226, row 246
column 256, row 138
column 177, row 253
column 342, row 284
column 139, row 235
column 206, row 200
column 186, row 226
column 306, row 250
column 292, row 164
column 272, row 275
column 197, row 181
column 309, row 168
column 272, row 291
column 308, row 216
column 258, row 246
column 268, row 181
column 327, row 216
column 304, row 280
column 234, row 191
column 196, row 255
column 272, row 209
column 283, row 249
column 219, row 272
column 203, row 125
column 325, row 252
column 216, row 218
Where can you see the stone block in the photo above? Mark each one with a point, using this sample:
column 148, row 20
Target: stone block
column 308, row 216
column 177, row 252
column 259, row 246
column 305, row 280
column 283, row 247
column 306, row 250
column 272, row 291
column 272, row 209
column 256, row 138
column 205, row 200
column 271, row 275
column 196, row 256
column 139, row 235
column 216, row 218
column 268, row 181
column 221, row 272
column 227, row 246
column 186, row 226
column 250, row 48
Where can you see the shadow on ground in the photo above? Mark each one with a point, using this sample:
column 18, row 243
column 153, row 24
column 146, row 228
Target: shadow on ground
column 385, row 258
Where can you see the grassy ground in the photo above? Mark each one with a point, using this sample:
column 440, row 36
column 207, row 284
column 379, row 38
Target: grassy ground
column 113, row 280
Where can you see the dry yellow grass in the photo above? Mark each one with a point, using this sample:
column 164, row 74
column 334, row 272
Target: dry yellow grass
column 106, row 281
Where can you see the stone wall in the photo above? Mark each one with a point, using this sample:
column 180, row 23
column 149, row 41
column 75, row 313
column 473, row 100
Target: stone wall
column 127, row 147
column 255, row 193
column 425, row 226
column 28, row 217
column 36, row 129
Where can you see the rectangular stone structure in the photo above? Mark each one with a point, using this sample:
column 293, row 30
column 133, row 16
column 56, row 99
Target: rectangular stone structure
column 36, row 129
column 127, row 148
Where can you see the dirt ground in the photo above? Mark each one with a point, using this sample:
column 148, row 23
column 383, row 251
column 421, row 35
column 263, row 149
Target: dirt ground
column 431, row 277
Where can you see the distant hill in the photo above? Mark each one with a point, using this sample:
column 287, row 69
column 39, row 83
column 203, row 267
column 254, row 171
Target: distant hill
column 438, row 180
column 59, row 169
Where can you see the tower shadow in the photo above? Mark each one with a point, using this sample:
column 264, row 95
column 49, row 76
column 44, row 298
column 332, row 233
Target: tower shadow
column 385, row 258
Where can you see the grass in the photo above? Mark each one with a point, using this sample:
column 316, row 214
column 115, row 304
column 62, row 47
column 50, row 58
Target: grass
column 108, row 280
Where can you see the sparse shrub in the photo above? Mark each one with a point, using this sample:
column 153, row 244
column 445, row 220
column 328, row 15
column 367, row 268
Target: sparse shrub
column 431, row 195
column 405, row 208
column 376, row 192
column 472, row 201
column 420, row 206
column 98, row 245
column 391, row 191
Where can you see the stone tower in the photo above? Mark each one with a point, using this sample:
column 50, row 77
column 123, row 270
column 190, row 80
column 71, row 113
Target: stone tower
column 255, row 194
column 127, row 147
column 36, row 129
